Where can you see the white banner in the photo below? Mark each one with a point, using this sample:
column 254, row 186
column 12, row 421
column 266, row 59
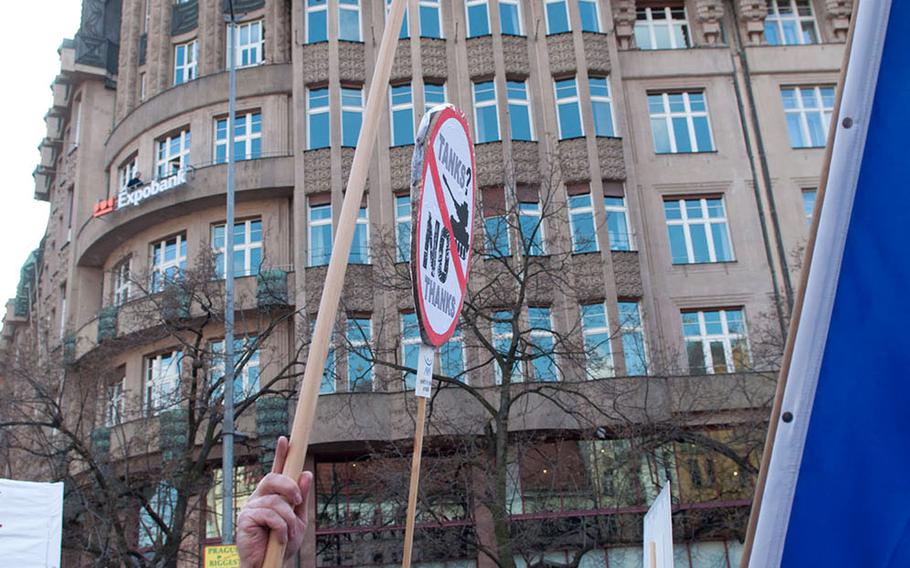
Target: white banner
column 31, row 524
column 659, row 532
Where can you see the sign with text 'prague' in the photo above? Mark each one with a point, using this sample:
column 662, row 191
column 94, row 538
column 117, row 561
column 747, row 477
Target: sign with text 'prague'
column 444, row 188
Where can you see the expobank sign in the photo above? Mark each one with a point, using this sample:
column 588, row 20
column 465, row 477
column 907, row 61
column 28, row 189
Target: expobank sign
column 132, row 197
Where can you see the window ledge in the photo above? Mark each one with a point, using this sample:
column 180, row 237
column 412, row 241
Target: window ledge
column 703, row 264
column 701, row 152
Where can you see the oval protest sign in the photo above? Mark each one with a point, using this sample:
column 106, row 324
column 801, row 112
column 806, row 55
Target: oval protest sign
column 443, row 188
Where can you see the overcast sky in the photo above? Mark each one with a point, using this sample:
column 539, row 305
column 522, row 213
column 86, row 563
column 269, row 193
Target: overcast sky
column 34, row 32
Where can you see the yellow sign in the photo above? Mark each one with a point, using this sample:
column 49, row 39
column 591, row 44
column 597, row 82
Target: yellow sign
column 221, row 556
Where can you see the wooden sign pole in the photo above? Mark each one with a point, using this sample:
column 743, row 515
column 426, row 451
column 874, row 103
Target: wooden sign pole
column 425, row 362
column 334, row 280
column 652, row 552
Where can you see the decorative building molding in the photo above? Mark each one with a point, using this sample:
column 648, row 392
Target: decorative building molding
column 433, row 58
column 561, row 48
column 610, row 156
column 624, row 23
column 489, row 164
column 526, row 161
column 752, row 14
column 400, row 165
column 480, row 57
column 401, row 64
column 573, row 160
column 515, row 56
column 838, row 13
column 597, row 52
column 710, row 14
column 351, row 65
column 316, row 63
column 627, row 274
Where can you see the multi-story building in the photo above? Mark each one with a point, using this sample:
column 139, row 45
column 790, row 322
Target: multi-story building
column 666, row 152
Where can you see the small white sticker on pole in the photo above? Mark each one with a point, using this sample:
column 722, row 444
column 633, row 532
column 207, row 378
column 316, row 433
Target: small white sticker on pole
column 425, row 359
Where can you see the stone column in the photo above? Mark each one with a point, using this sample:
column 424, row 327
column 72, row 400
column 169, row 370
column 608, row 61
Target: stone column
column 709, row 14
column 838, row 13
column 158, row 56
column 210, row 37
column 624, row 22
column 752, row 15
column 278, row 31
column 127, row 78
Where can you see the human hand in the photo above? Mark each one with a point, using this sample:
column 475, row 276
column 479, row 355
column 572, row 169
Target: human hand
column 278, row 504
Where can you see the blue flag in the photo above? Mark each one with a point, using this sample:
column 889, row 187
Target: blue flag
column 838, row 487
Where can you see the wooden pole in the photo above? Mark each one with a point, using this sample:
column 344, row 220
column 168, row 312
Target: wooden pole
column 652, row 552
column 334, row 280
column 797, row 308
column 415, row 483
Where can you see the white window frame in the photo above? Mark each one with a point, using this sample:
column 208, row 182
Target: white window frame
column 624, row 211
column 537, row 214
column 142, row 86
column 667, row 115
column 247, row 247
column 436, row 5
column 188, row 71
column 775, row 18
column 361, row 340
column 393, row 108
column 726, row 337
column 363, row 219
column 518, row 373
column 77, row 123
column 596, row 5
column 311, row 112
column 342, row 6
column 467, row 6
column 483, row 104
column 244, row 120
column 426, row 104
column 114, row 404
column 182, row 157
column 567, row 100
column 311, row 224
column 546, row 14
column 127, row 171
column 405, row 343
column 630, row 328
column 608, row 100
column 526, row 102
column 808, row 212
column 256, row 48
column 162, row 386
column 455, row 342
column 121, row 284
column 159, row 266
column 347, row 107
column 707, row 221
column 311, row 9
column 217, row 370
column 802, row 112
column 549, row 334
column 669, row 22
column 573, row 210
column 610, row 365
column 62, row 310
column 399, row 221
column 517, row 4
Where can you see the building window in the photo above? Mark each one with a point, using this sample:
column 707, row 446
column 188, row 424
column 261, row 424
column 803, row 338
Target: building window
column 543, row 345
column 530, row 221
column 617, row 223
column 246, row 477
column 247, row 137
column 410, row 347
column 185, row 58
column 327, row 385
column 510, row 17
column 403, row 227
column 114, row 404
column 162, row 381
column 808, row 204
column 557, row 12
column 486, row 113
column 246, row 380
column 568, row 109
column 351, row 115
column 451, row 357
column 430, row 20
column 808, row 111
column 520, row 122
column 715, row 341
column 632, row 332
column 360, row 245
column 433, row 94
column 249, row 44
column 168, row 261
column 501, row 334
column 320, row 233
column 662, row 27
column 596, row 334
column 402, row 111
column 317, row 114
column 162, row 502
column 590, row 17
column 127, row 172
column 173, row 154
column 247, row 248
column 62, row 329
column 349, row 20
column 360, row 368
column 679, row 122
column 142, row 86
column 317, row 21
column 601, row 105
column 77, row 123
column 581, row 221
column 121, row 282
column 405, row 31
column 790, row 22
column 478, row 18
column 697, row 229
column 495, row 222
